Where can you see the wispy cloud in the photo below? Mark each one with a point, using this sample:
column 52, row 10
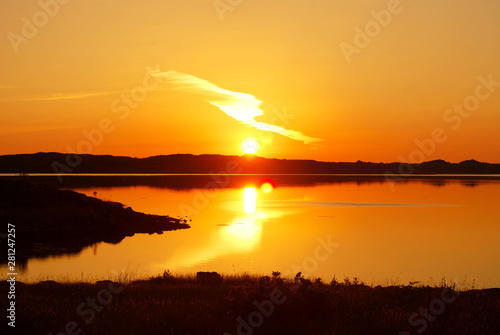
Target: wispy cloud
column 72, row 96
column 243, row 107
column 62, row 96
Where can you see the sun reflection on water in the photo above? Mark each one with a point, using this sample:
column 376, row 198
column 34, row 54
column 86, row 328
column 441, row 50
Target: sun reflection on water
column 250, row 200
column 245, row 231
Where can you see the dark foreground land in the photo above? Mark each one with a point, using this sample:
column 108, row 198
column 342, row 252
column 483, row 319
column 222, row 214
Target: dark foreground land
column 49, row 221
column 251, row 305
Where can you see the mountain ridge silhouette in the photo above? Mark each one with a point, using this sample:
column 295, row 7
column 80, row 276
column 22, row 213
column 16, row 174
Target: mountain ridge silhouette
column 53, row 162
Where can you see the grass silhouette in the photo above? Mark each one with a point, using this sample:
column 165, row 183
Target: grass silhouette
column 172, row 304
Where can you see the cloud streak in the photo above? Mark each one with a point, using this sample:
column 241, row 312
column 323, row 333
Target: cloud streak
column 240, row 106
column 61, row 96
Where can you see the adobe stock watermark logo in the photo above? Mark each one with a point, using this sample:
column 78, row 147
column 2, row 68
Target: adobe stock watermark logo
column 223, row 6
column 436, row 308
column 87, row 310
column 454, row 118
column 373, row 28
column 280, row 118
column 266, row 308
column 201, row 198
column 93, row 138
column 31, row 26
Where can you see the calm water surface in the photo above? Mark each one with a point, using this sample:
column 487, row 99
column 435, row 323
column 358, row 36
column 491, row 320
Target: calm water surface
column 380, row 232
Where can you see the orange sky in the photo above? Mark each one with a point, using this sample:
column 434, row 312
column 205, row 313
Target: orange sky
column 70, row 67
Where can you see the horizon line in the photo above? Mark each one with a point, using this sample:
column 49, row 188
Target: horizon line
column 245, row 155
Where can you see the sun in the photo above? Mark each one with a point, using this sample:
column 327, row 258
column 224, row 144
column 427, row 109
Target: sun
column 250, row 146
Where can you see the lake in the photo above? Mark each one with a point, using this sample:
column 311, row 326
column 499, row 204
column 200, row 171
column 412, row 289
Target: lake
column 422, row 229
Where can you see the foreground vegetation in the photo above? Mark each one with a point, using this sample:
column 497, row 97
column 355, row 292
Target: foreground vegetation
column 169, row 304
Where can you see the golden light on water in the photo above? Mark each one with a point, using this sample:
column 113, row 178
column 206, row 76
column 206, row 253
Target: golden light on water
column 244, row 231
column 249, row 200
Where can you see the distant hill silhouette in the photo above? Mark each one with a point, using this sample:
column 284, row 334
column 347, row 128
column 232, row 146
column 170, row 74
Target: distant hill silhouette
column 187, row 163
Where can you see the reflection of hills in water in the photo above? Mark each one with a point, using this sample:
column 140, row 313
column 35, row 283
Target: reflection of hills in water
column 258, row 229
column 52, row 222
column 60, row 244
column 239, row 181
